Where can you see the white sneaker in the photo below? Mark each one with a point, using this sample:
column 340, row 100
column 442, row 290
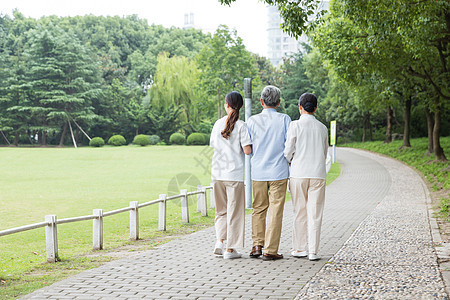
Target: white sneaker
column 314, row 257
column 231, row 255
column 218, row 249
column 299, row 253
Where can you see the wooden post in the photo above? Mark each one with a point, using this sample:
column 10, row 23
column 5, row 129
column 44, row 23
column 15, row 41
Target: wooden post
column 204, row 204
column 162, row 212
column 97, row 229
column 51, row 238
column 199, row 199
column 211, row 196
column 134, row 220
column 184, row 207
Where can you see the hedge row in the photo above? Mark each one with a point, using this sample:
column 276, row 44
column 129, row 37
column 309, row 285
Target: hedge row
column 177, row 138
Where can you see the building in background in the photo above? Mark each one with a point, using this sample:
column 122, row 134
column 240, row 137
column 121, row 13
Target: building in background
column 188, row 20
column 279, row 43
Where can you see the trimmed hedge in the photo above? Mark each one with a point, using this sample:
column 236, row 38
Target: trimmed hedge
column 196, row 138
column 141, row 139
column 177, row 139
column 97, row 142
column 154, row 139
column 117, row 140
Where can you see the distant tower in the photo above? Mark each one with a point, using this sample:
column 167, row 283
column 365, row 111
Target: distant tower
column 188, row 20
column 280, row 44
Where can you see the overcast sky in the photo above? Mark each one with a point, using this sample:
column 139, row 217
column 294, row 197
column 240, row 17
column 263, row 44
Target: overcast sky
column 248, row 17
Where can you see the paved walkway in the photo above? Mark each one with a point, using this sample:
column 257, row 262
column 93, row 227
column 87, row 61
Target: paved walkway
column 376, row 244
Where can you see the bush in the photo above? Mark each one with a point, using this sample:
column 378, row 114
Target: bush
column 154, row 139
column 177, row 139
column 117, row 140
column 207, row 138
column 97, row 142
column 141, row 139
column 196, row 138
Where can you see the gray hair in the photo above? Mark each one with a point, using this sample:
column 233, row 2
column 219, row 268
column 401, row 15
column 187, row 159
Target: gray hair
column 271, row 95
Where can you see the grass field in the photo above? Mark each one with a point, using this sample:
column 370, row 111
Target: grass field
column 71, row 182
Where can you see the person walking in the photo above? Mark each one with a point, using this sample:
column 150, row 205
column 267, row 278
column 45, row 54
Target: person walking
column 230, row 140
column 270, row 172
column 306, row 149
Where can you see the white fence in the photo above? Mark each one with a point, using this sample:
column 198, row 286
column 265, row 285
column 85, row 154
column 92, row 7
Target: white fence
column 51, row 222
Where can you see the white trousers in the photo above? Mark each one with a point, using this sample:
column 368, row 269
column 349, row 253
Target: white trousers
column 230, row 212
column 308, row 199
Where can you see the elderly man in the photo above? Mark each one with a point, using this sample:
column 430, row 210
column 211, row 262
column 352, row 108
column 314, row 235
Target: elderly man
column 307, row 149
column 270, row 172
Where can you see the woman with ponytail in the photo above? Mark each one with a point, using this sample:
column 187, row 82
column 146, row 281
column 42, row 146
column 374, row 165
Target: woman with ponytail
column 230, row 140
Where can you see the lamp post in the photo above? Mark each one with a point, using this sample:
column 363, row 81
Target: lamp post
column 248, row 113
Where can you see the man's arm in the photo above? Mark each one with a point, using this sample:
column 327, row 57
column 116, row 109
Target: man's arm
column 289, row 146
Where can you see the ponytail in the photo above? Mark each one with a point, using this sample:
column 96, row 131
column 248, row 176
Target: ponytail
column 235, row 102
column 233, row 117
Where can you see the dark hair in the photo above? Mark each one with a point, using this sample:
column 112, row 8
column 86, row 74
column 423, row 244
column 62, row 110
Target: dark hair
column 235, row 101
column 308, row 101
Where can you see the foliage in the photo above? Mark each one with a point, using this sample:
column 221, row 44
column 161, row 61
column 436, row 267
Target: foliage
column 164, row 121
column 97, row 142
column 154, row 139
column 398, row 51
column 196, row 138
column 176, row 85
column 177, row 139
column 224, row 63
column 96, row 71
column 207, row 137
column 117, row 140
column 295, row 14
column 141, row 139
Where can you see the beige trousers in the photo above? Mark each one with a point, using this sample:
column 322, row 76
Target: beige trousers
column 268, row 198
column 308, row 199
column 230, row 212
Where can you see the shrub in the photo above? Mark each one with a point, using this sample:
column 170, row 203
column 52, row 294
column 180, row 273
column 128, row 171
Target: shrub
column 141, row 139
column 97, row 142
column 207, row 138
column 117, row 140
column 196, row 138
column 177, row 139
column 154, row 139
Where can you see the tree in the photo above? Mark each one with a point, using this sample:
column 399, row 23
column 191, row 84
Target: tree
column 224, row 64
column 295, row 14
column 368, row 37
column 63, row 77
column 176, row 83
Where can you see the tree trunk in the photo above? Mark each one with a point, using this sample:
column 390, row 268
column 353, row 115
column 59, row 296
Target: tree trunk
column 370, row 127
column 438, row 151
column 407, row 123
column 63, row 135
column 430, row 126
column 16, row 139
column 388, row 125
column 44, row 138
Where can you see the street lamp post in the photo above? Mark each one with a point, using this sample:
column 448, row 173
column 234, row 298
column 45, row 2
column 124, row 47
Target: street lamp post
column 248, row 113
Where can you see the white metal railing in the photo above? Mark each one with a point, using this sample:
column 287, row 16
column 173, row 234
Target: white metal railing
column 51, row 222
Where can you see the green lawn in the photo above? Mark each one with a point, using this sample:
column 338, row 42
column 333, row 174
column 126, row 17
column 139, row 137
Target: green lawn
column 71, row 182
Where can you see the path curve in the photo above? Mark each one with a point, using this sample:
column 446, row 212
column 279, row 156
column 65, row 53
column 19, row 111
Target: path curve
column 186, row 269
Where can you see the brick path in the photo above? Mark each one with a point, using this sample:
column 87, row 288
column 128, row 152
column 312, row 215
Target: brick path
column 186, row 269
